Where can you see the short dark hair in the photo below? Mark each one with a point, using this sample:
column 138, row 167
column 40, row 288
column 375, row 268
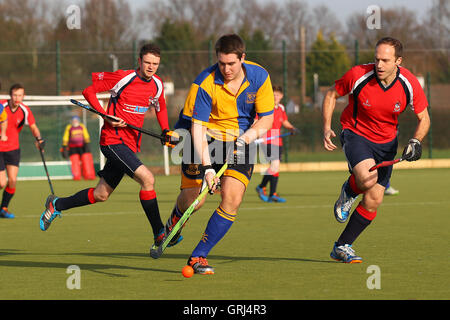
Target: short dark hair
column 15, row 87
column 150, row 48
column 277, row 88
column 392, row 42
column 230, row 43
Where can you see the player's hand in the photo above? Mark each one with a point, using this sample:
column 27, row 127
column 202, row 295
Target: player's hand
column 40, row 143
column 236, row 153
column 115, row 121
column 413, row 151
column 4, row 138
column 327, row 143
column 294, row 130
column 169, row 138
column 209, row 179
column 64, row 152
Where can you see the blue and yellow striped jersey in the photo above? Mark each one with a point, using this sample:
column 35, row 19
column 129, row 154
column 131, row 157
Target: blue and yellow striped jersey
column 226, row 115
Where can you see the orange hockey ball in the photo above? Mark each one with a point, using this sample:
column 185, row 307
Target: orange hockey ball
column 187, row 271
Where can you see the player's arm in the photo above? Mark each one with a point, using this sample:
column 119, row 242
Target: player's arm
column 423, row 125
column 328, row 105
column 3, row 125
column 40, row 143
column 258, row 129
column 200, row 143
column 102, row 82
column 413, row 150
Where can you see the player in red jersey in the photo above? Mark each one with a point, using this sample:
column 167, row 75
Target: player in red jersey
column 378, row 93
column 133, row 92
column 273, row 149
column 18, row 115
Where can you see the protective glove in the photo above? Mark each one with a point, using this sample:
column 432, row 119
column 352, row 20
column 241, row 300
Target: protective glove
column 413, row 151
column 169, row 138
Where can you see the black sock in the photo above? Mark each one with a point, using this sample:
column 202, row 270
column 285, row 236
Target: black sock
column 273, row 185
column 265, row 180
column 356, row 224
column 151, row 209
column 81, row 198
column 7, row 196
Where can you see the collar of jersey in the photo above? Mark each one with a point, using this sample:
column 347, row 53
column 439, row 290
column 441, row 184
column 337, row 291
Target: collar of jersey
column 143, row 79
column 218, row 77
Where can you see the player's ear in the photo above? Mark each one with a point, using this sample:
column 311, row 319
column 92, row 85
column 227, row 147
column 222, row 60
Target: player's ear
column 398, row 61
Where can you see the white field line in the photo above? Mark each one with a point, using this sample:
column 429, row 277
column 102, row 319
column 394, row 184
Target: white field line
column 266, row 207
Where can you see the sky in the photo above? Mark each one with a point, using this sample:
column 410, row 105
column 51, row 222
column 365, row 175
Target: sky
column 345, row 8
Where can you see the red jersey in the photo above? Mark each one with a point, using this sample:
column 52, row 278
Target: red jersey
column 373, row 109
column 279, row 116
column 131, row 97
column 16, row 120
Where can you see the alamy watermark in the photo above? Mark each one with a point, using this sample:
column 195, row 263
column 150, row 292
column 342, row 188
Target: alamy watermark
column 373, row 20
column 73, row 17
column 74, row 280
column 374, row 280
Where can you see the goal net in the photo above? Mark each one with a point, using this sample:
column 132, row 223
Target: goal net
column 53, row 114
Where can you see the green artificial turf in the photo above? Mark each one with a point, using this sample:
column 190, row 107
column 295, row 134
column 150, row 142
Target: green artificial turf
column 273, row 251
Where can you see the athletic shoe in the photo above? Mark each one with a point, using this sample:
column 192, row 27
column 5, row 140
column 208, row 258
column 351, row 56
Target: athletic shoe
column 343, row 205
column 171, row 222
column 50, row 213
column 261, row 194
column 345, row 254
column 158, row 239
column 4, row 213
column 200, row 265
column 391, row 191
column 276, row 198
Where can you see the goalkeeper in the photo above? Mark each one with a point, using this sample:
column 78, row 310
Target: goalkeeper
column 378, row 93
column 75, row 146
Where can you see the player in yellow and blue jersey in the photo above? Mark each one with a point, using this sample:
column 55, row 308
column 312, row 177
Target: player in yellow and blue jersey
column 219, row 112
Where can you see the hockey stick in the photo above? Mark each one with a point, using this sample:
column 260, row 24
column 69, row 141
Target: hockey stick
column 385, row 164
column 147, row 132
column 155, row 253
column 261, row 140
column 45, row 168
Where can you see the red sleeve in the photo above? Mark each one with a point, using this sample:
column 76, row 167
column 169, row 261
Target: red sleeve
column 101, row 82
column 161, row 115
column 30, row 118
column 420, row 101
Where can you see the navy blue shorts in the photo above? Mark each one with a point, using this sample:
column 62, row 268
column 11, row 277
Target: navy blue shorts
column 358, row 148
column 119, row 160
column 9, row 158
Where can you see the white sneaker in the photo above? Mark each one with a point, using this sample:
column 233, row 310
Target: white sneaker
column 343, row 205
column 391, row 191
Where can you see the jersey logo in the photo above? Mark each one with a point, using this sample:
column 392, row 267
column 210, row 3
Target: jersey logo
column 251, row 97
column 367, row 104
column 153, row 102
column 101, row 75
column 397, row 107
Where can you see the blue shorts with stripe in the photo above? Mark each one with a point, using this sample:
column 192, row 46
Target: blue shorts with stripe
column 120, row 159
column 358, row 148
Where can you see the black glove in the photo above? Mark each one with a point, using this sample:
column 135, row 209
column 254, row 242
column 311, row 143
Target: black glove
column 294, row 131
column 237, row 152
column 40, row 143
column 413, row 151
column 64, row 152
column 169, row 138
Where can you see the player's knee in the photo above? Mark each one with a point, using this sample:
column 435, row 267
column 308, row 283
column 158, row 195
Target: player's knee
column 100, row 196
column 367, row 182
